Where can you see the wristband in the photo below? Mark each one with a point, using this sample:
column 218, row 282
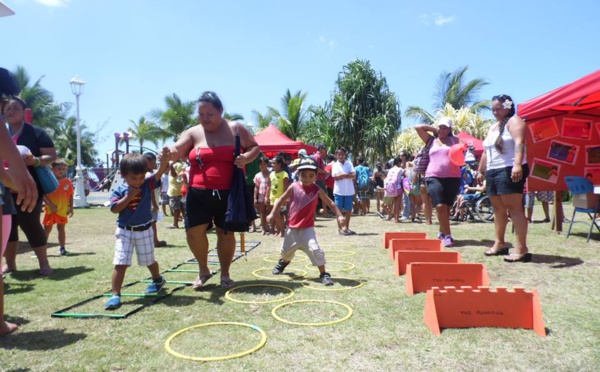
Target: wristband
column 38, row 162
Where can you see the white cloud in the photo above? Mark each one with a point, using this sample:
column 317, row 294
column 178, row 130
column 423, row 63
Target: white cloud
column 330, row 42
column 441, row 20
column 53, row 3
column 436, row 18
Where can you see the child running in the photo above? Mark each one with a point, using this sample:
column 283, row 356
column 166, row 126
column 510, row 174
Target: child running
column 59, row 205
column 134, row 225
column 303, row 197
column 262, row 191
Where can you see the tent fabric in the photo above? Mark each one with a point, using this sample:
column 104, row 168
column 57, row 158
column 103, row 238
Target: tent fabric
column 271, row 142
column 580, row 96
column 469, row 139
column 563, row 134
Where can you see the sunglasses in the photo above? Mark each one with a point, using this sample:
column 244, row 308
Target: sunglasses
column 198, row 158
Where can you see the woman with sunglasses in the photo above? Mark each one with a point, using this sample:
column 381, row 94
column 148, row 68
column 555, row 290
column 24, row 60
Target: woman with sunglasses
column 209, row 147
column 504, row 166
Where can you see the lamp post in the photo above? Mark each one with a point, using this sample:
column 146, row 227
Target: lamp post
column 79, row 199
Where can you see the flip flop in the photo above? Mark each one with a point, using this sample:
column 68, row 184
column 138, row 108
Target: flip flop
column 161, row 243
column 227, row 283
column 199, row 283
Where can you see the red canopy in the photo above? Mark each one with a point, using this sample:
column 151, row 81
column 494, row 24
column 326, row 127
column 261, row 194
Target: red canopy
column 563, row 134
column 476, row 142
column 581, row 96
column 272, row 142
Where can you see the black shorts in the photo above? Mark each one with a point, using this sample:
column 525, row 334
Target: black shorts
column 31, row 225
column 499, row 181
column 443, row 190
column 204, row 206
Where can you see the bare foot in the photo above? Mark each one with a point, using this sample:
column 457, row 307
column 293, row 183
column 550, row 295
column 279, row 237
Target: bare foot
column 7, row 270
column 46, row 271
column 6, row 328
column 264, row 233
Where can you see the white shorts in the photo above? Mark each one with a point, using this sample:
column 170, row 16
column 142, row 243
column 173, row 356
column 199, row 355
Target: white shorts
column 305, row 240
column 142, row 241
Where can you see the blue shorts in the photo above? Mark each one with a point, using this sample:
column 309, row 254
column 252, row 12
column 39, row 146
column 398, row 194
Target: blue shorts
column 344, row 202
column 499, row 182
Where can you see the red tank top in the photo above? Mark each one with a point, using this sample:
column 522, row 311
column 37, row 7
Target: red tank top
column 211, row 168
column 303, row 202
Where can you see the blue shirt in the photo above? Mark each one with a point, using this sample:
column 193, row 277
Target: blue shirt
column 139, row 211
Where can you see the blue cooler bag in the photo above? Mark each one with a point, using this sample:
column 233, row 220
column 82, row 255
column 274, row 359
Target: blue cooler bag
column 47, row 179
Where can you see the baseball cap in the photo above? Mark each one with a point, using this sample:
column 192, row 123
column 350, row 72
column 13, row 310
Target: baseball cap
column 307, row 163
column 302, row 152
column 444, row 121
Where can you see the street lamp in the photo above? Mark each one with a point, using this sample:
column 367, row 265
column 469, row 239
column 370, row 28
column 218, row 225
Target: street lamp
column 79, row 200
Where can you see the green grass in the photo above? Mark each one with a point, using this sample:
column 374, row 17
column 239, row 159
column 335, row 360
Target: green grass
column 385, row 333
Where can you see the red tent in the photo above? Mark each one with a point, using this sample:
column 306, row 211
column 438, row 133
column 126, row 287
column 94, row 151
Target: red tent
column 563, row 134
column 469, row 139
column 563, row 137
column 272, row 141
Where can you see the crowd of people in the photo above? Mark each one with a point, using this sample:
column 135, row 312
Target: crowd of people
column 191, row 181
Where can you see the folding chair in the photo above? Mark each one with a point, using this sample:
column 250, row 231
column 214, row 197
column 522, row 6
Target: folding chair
column 584, row 201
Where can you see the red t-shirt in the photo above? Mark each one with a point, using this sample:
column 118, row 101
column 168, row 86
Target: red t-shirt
column 329, row 182
column 302, row 205
column 211, row 168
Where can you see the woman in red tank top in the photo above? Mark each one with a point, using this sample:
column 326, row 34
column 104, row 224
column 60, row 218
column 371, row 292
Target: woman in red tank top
column 209, row 147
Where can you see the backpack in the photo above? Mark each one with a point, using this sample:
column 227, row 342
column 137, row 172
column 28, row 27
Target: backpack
column 422, row 158
column 363, row 180
column 393, row 184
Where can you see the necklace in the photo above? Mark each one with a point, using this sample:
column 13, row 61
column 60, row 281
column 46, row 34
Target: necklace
column 17, row 133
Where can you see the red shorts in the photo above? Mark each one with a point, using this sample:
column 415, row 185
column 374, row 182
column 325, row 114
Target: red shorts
column 53, row 219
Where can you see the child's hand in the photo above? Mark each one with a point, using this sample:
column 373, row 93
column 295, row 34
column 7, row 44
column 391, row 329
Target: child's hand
column 165, row 154
column 341, row 219
column 132, row 192
column 70, row 212
column 52, row 207
column 270, row 217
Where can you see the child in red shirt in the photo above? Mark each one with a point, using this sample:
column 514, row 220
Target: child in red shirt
column 59, row 205
column 300, row 234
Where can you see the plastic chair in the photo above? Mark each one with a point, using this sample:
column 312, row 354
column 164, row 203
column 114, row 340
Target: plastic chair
column 584, row 201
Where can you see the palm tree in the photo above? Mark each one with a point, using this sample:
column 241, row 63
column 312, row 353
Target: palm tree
column 233, row 116
column 178, row 117
column 451, row 88
column 365, row 113
column 144, row 130
column 262, row 121
column 293, row 115
column 66, row 137
column 46, row 113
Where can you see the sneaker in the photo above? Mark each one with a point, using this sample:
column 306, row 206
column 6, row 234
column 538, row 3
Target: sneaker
column 440, row 236
column 63, row 251
column 326, row 279
column 156, row 286
column 448, row 241
column 345, row 233
column 281, row 265
column 113, row 303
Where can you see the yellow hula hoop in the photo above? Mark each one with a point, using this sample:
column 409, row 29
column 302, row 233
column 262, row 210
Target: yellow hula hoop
column 262, row 342
column 297, row 258
column 290, row 295
column 327, row 289
column 277, row 277
column 341, row 253
column 274, row 313
column 350, row 266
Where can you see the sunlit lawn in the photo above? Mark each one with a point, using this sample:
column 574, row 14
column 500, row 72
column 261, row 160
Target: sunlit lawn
column 385, row 332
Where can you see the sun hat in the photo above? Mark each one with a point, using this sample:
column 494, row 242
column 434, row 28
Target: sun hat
column 444, row 121
column 307, row 163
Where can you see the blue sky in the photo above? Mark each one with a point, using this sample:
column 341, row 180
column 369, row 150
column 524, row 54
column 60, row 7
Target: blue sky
column 132, row 53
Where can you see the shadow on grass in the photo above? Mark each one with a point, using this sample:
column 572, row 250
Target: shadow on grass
column 483, row 244
column 16, row 288
column 595, row 237
column 556, row 262
column 51, row 339
column 58, row 274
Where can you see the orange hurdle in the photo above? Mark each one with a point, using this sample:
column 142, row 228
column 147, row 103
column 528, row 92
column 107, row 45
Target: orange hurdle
column 421, row 276
column 403, row 258
column 387, row 236
column 435, row 245
column 483, row 307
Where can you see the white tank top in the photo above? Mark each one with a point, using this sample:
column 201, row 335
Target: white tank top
column 495, row 159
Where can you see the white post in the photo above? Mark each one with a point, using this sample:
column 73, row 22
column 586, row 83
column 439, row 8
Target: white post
column 79, row 199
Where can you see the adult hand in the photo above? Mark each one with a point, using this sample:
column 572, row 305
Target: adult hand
column 27, row 193
column 517, row 173
column 240, row 161
column 479, row 178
